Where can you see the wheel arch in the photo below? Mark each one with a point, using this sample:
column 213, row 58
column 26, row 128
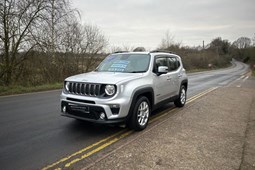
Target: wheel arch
column 185, row 83
column 147, row 92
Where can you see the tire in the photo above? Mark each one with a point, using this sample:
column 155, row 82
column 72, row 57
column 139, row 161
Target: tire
column 141, row 113
column 181, row 100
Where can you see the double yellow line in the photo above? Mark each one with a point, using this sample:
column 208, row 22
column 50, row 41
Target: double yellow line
column 201, row 94
column 102, row 144
column 66, row 162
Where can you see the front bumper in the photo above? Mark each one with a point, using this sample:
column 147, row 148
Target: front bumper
column 106, row 111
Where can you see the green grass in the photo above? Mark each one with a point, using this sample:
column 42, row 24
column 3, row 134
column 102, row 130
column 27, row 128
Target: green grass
column 17, row 89
column 10, row 90
column 253, row 72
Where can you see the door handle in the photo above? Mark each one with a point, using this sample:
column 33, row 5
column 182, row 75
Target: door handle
column 180, row 75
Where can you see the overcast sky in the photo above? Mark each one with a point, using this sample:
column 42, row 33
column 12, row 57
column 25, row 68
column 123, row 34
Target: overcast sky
column 145, row 22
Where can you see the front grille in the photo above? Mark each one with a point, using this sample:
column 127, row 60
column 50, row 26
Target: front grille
column 86, row 89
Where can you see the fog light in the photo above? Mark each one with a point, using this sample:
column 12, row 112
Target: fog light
column 102, row 116
column 64, row 109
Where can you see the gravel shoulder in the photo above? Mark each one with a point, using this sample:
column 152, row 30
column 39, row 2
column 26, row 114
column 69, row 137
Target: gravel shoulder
column 215, row 132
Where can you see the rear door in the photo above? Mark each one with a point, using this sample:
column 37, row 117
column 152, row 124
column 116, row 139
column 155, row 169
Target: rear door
column 173, row 75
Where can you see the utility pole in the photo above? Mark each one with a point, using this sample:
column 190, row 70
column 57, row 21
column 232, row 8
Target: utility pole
column 203, row 44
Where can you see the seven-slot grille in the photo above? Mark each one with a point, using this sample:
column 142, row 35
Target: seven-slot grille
column 86, row 89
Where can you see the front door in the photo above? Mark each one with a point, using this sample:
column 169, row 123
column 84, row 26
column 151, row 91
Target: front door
column 161, row 82
column 166, row 85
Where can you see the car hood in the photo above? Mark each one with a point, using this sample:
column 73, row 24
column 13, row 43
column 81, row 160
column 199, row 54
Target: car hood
column 104, row 77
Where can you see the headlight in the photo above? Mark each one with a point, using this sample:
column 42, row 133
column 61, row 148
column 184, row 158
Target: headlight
column 110, row 90
column 67, row 86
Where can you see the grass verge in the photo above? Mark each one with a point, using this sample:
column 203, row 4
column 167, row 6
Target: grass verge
column 17, row 89
column 4, row 90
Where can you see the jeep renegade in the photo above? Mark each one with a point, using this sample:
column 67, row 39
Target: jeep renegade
column 125, row 88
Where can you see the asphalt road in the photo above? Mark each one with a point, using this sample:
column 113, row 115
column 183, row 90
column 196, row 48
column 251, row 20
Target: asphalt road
column 33, row 134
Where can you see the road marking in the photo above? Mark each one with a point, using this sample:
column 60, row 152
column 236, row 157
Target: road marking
column 162, row 114
column 100, row 145
column 83, row 150
column 238, row 79
column 245, row 78
column 98, row 149
column 201, row 94
column 159, row 115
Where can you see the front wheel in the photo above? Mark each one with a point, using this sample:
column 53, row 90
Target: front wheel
column 141, row 113
column 181, row 100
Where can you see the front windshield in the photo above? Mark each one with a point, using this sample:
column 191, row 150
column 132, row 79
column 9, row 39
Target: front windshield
column 126, row 63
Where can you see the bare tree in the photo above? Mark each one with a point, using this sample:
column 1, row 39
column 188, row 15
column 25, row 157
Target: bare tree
column 115, row 49
column 72, row 37
column 71, row 43
column 94, row 43
column 168, row 42
column 124, row 47
column 242, row 42
column 84, row 43
column 221, row 46
column 27, row 25
column 48, row 26
column 54, row 23
column 16, row 19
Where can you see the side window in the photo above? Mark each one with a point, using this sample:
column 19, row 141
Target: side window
column 160, row 61
column 173, row 63
column 178, row 63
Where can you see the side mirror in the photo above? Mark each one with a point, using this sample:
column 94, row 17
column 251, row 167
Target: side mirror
column 162, row 70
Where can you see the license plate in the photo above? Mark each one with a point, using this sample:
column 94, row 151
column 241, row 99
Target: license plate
column 80, row 108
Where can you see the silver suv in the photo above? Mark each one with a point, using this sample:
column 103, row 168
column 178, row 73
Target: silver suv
column 125, row 88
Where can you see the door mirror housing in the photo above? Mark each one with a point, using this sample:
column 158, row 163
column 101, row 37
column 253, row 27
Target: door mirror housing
column 162, row 70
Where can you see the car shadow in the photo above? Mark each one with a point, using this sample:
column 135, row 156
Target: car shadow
column 74, row 126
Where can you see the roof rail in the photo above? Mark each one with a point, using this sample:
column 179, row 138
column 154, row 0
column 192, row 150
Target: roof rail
column 161, row 51
column 120, row 52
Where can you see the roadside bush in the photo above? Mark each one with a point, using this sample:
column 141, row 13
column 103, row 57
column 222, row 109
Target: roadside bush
column 200, row 59
column 246, row 55
column 38, row 68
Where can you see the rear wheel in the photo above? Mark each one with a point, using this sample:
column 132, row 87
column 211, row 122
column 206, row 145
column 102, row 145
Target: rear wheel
column 141, row 113
column 181, row 100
